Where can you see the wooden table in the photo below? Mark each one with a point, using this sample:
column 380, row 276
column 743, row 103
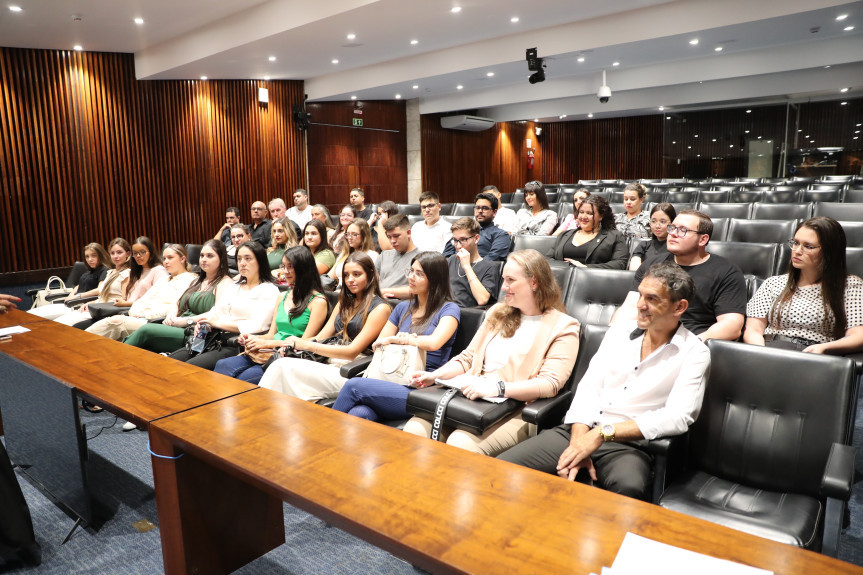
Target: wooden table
column 18, row 317
column 443, row 509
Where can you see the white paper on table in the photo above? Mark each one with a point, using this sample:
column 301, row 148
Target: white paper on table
column 464, row 379
column 13, row 330
column 643, row 556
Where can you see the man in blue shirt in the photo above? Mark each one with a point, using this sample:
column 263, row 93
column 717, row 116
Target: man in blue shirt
column 494, row 243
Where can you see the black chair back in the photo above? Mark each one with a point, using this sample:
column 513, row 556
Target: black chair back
column 853, row 233
column 778, row 196
column 763, row 231
column 757, row 259
column 746, row 195
column 854, row 261
column 193, row 254
column 414, row 218
column 462, row 210
column 762, row 211
column 715, row 196
column 542, row 244
column 595, row 294
column 411, row 209
column 720, row 229
column 821, row 195
column 446, row 209
column 736, row 210
column 680, row 197
column 78, row 269
column 840, row 212
column 468, row 325
column 590, row 340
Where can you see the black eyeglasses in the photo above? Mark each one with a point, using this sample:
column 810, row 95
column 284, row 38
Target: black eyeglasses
column 679, row 230
column 483, row 209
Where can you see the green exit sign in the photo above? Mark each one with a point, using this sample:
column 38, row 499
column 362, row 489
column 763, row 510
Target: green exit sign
column 357, row 121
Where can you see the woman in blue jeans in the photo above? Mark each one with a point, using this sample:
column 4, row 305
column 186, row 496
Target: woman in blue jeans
column 301, row 311
column 429, row 321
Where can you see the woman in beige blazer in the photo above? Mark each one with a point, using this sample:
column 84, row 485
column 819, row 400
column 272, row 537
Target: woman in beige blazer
column 524, row 350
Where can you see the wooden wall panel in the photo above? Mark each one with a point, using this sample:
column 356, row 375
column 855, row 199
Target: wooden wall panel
column 342, row 156
column 88, row 153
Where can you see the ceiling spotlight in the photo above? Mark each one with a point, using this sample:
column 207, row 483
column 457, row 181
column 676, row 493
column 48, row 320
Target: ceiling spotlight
column 746, row 131
column 272, row 58
column 694, row 41
column 696, row 135
column 455, row 9
column 139, row 21
column 266, row 78
column 661, row 108
column 535, row 64
column 489, row 74
column 459, row 87
column 667, row 117
column 581, row 58
column 848, row 28
column 615, row 63
column 748, row 111
column 352, row 36
column 714, row 139
column 335, row 61
column 590, row 115
column 827, row 66
column 514, row 19
column 841, row 17
column 416, row 86
column 77, row 47
column 843, row 103
column 203, row 77
column 414, row 42
column 674, row 141
column 15, row 8
column 843, row 90
column 562, row 116
column 353, row 97
column 398, row 96
column 718, row 49
column 731, row 146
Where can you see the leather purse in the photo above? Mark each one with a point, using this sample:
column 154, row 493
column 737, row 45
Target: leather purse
column 100, row 310
column 51, row 292
column 395, row 362
column 460, row 412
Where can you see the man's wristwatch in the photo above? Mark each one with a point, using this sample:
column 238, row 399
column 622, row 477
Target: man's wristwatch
column 607, row 432
column 501, row 389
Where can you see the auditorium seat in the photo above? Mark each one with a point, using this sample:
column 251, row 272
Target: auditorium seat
column 713, row 196
column 655, row 195
column 462, row 210
column 761, row 211
column 736, row 210
column 595, row 294
column 514, row 207
column 843, row 212
column 757, row 259
column 411, row 209
column 821, row 195
column 617, row 208
column 616, row 197
column 562, row 272
column 763, row 231
column 518, row 197
column 506, row 197
column 747, row 195
column 680, row 206
column 854, row 195
column 770, row 453
column 853, row 233
column 565, row 196
column 752, row 285
column 563, row 210
column 193, row 254
column 414, row 218
column 446, row 209
column 552, row 196
column 680, row 197
column 542, row 244
column 778, row 196
column 720, row 229
column 854, row 261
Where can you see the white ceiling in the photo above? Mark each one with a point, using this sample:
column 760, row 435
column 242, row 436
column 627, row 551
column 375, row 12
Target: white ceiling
column 770, row 52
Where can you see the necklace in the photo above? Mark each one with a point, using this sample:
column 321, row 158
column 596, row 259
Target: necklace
column 458, row 271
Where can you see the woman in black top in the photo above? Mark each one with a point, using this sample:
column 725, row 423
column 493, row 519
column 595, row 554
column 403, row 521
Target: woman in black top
column 654, row 251
column 596, row 243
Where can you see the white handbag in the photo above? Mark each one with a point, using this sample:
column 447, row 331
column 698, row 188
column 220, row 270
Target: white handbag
column 395, row 362
column 51, row 294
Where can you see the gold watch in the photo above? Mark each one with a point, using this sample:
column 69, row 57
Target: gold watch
column 607, row 432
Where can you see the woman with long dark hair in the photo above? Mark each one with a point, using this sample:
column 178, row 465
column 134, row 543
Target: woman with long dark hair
column 354, row 324
column 429, row 321
column 596, row 243
column 816, row 307
column 145, row 270
column 300, row 312
column 654, row 251
column 537, row 219
column 358, row 238
column 346, row 216
column 315, row 238
column 207, row 290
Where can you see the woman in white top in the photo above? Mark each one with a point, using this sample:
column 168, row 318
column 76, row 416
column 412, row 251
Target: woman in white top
column 154, row 304
column 145, row 270
column 817, row 307
column 110, row 289
column 537, row 219
column 358, row 238
column 246, row 308
column 633, row 223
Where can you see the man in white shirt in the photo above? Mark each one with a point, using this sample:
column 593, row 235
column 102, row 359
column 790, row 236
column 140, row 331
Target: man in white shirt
column 504, row 218
column 432, row 234
column 301, row 212
column 641, row 384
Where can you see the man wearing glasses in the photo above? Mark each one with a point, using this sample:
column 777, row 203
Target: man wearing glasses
column 260, row 224
column 493, row 242
column 473, row 279
column 432, row 234
column 718, row 309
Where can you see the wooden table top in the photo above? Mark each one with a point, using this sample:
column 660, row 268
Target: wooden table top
column 137, row 385
column 441, row 508
column 18, row 317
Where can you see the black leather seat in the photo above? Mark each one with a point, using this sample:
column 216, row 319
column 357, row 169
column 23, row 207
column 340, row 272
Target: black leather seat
column 462, row 210
column 853, row 233
column 854, row 195
column 757, row 259
column 193, row 254
column 562, row 272
column 764, row 231
column 542, row 244
column 518, row 196
column 446, row 209
column 821, row 195
column 551, row 196
column 680, row 197
column 747, row 195
column 594, row 294
column 762, row 211
column 770, row 452
column 778, row 196
column 714, row 196
column 656, row 196
column 414, row 218
column 78, row 269
column 854, row 261
column 739, row 210
column 752, row 285
column 410, row 209
column 680, row 206
column 843, row 212
column 720, row 229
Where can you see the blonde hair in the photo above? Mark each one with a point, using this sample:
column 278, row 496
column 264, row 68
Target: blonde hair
column 507, row 319
column 366, row 233
column 289, row 229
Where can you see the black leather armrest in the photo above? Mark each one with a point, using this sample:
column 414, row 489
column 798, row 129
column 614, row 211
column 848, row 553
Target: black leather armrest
column 839, row 473
column 75, row 302
column 858, row 359
column 32, row 292
column 548, row 411
column 356, row 367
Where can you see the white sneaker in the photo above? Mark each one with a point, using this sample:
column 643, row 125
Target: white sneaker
column 129, row 426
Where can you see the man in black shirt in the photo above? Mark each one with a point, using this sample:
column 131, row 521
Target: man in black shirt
column 358, row 201
column 718, row 309
column 494, row 243
column 473, row 279
column 260, row 226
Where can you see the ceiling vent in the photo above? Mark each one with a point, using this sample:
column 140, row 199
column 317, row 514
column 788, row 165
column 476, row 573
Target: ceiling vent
column 469, row 123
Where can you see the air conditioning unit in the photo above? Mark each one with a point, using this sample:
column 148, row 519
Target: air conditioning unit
column 469, row 123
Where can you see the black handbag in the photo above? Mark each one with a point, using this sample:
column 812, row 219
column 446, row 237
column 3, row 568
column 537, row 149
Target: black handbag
column 100, row 310
column 214, row 340
column 460, row 412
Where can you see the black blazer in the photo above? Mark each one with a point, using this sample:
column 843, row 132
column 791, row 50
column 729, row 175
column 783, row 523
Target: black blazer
column 609, row 251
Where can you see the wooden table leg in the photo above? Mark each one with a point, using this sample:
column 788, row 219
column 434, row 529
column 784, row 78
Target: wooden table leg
column 210, row 522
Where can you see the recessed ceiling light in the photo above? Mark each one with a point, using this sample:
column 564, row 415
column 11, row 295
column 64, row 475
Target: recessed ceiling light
column 414, row 42
column 694, row 41
column 352, row 36
column 674, row 141
column 714, row 139
column 398, row 96
column 843, row 90
column 139, row 21
column 77, row 47
column 15, row 8
column 661, row 108
column 562, row 116
column 731, row 146
column 459, row 87
column 335, row 61
column 688, row 147
column 697, row 155
column 455, row 9
column 266, row 78
column 489, row 74
column 759, row 137
column 615, row 63
column 827, row 66
column 843, row 103
column 848, row 28
column 581, row 58
column 353, row 97
column 718, row 49
column 855, row 137
column 696, row 135
column 748, row 111
column 536, row 119
column 203, row 77
column 416, row 86
column 272, row 58
column 667, row 117
column 746, row 131
column 514, row 19
column 858, row 125
column 590, row 115
column 841, row 17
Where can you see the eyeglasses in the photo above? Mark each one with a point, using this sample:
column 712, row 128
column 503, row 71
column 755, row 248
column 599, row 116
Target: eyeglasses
column 483, row 209
column 285, row 267
column 140, row 254
column 352, row 234
column 807, row 248
column 679, row 230
column 427, row 206
column 461, row 241
column 412, row 272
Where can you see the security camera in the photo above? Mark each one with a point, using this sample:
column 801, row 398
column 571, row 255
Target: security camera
column 604, row 92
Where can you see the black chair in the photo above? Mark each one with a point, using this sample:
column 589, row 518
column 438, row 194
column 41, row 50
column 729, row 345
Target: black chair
column 770, row 454
column 680, row 206
column 193, row 254
column 752, row 285
column 854, row 195
column 778, row 196
column 656, row 196
column 595, row 294
column 462, row 210
column 513, row 207
column 617, row 208
column 843, row 212
column 680, row 197
column 853, row 233
column 414, row 218
column 761, row 211
column 505, row 197
column 411, row 209
column 829, row 195
column 720, row 229
column 854, row 261
column 736, row 210
column 542, row 244
column 562, row 272
column 518, row 197
column 552, row 196
column 757, row 259
column 601, row 194
column 615, row 197
column 763, row 231
column 746, row 195
column 468, row 325
column 563, row 210
column 714, row 196
column 446, row 209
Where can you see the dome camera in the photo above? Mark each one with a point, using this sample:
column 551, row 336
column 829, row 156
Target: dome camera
column 604, row 92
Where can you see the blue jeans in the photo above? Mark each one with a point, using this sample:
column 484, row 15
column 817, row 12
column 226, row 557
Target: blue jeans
column 240, row 367
column 373, row 399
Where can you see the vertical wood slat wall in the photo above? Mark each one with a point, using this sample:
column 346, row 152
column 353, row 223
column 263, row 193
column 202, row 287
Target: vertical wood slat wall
column 88, row 153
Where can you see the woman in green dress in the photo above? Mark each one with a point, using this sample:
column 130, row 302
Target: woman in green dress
column 198, row 299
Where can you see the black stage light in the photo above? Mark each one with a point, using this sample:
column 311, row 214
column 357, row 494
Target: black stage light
column 538, row 76
column 301, row 117
column 534, row 63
